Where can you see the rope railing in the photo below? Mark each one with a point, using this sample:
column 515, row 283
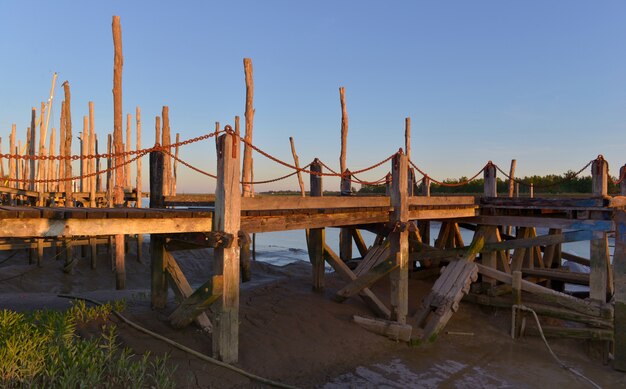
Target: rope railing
column 566, row 179
column 449, row 184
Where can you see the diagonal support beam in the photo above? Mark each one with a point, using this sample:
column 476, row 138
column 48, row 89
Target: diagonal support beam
column 177, row 280
column 198, row 302
column 367, row 295
column 366, row 280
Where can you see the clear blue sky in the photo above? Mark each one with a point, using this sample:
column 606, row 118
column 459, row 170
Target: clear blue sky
column 542, row 82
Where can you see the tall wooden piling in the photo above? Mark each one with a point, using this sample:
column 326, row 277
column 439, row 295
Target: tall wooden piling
column 399, row 238
column 619, row 265
column 67, row 148
column 157, row 242
column 138, row 182
column 600, row 281
column 227, row 219
column 118, row 193
column 31, row 149
column 317, row 236
column 345, row 234
column 167, row 158
column 622, row 178
column 249, row 124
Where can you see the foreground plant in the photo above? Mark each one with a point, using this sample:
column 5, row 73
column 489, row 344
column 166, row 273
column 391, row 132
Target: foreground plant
column 43, row 349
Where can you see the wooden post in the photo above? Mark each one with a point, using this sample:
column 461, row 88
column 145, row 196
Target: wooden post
column 600, row 281
column 490, row 180
column 175, row 173
column 109, row 183
column 61, row 173
column 619, row 265
column 127, row 157
column 68, row 145
column 52, row 186
column 138, row 183
column 84, row 147
column 31, row 148
column 532, row 190
column 157, row 242
column 424, row 225
column 345, row 234
column 512, row 178
column 12, row 161
column 118, row 194
column 622, row 178
column 167, row 159
column 92, row 163
column 517, row 300
column 399, row 239
column 599, row 177
column 227, row 219
column 249, row 122
column 317, row 235
column 297, row 163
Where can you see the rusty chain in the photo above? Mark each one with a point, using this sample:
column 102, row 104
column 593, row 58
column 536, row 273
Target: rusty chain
column 447, row 184
column 547, row 185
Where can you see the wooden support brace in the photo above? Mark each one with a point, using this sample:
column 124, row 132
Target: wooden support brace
column 391, row 329
column 344, row 271
column 198, row 302
column 366, row 280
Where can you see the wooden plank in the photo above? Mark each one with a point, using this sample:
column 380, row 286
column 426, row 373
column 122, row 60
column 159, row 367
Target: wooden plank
column 391, row 329
column 536, row 203
column 366, row 280
column 576, row 333
column 298, row 222
column 298, row 202
column 442, row 200
column 377, row 306
column 453, row 213
column 582, row 306
column 546, row 222
column 377, row 254
column 23, row 228
column 559, row 275
column 227, row 219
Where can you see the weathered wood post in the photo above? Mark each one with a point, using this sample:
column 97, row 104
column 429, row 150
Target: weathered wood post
column 489, row 173
column 399, row 238
column 619, row 265
column 158, row 265
column 118, row 193
column 138, row 182
column 490, row 258
column 317, row 236
column 600, row 281
column 345, row 234
column 227, row 219
column 424, row 225
column 249, row 125
column 622, row 178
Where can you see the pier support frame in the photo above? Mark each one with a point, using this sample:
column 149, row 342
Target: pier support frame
column 227, row 219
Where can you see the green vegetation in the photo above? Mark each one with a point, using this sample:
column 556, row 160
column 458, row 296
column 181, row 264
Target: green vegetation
column 43, row 349
column 568, row 183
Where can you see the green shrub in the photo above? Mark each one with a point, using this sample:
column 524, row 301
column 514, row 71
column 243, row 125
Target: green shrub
column 42, row 349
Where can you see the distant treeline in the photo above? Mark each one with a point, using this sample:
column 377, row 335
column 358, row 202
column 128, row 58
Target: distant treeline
column 549, row 184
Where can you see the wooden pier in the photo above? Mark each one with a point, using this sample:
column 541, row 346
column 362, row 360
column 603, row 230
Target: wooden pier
column 224, row 220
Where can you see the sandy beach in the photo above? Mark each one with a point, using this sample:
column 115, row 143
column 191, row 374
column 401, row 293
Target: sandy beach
column 290, row 334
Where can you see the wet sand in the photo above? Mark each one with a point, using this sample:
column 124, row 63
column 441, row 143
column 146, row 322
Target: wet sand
column 290, row 334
